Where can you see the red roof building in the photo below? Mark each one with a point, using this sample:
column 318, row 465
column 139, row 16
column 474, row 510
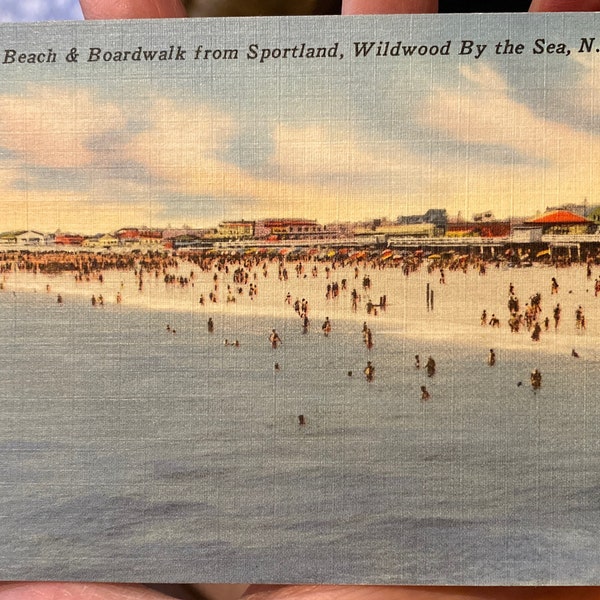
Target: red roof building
column 68, row 239
column 562, row 222
column 559, row 217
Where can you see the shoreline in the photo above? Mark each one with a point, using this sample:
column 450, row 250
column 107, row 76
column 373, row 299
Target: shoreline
column 455, row 317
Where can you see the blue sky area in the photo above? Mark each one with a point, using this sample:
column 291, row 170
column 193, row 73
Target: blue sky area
column 39, row 10
column 94, row 146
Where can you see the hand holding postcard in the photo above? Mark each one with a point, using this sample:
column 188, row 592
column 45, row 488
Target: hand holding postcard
column 301, row 300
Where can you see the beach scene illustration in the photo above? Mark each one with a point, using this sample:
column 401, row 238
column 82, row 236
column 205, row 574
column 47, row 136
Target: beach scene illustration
column 307, row 319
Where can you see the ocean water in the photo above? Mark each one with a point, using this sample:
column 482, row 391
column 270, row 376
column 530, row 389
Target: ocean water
column 132, row 453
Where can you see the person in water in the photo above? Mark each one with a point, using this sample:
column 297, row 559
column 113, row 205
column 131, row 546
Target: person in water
column 274, row 339
column 430, row 366
column 536, row 379
column 369, row 371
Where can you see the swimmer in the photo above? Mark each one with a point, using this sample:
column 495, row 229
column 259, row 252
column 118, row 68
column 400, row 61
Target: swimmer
column 536, row 379
column 430, row 366
column 274, row 339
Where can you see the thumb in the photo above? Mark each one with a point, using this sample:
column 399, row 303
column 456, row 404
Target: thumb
column 77, row 591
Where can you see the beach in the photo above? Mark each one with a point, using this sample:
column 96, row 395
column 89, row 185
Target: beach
column 169, row 436
column 454, row 312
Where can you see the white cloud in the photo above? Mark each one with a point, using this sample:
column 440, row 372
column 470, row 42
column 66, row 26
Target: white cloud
column 564, row 163
column 54, row 126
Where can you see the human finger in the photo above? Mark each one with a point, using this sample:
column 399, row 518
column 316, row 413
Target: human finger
column 347, row 592
column 373, row 7
column 132, row 9
column 564, row 5
column 77, row 591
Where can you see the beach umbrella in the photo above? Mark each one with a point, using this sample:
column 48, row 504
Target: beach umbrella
column 543, row 253
column 330, row 253
column 284, row 251
column 386, row 254
column 434, row 257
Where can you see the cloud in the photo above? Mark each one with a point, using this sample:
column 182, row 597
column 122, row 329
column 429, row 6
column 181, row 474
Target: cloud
column 47, row 212
column 182, row 146
column 325, row 170
column 485, row 113
column 582, row 97
column 53, row 126
column 563, row 165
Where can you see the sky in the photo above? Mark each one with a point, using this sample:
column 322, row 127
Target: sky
column 108, row 146
column 39, row 10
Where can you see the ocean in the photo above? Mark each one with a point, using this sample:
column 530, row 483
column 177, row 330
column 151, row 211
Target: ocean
column 133, row 453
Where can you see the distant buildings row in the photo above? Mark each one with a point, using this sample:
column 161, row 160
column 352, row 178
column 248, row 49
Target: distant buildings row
column 435, row 223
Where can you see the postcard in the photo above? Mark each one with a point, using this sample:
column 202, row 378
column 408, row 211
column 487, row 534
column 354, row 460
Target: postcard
column 306, row 299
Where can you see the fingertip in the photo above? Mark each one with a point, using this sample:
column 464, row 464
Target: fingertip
column 372, row 7
column 564, row 5
column 76, row 591
column 132, row 9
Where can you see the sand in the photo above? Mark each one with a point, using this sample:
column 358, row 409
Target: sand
column 455, row 316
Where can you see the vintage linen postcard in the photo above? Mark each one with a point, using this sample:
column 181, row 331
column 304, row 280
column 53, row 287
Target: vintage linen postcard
column 301, row 300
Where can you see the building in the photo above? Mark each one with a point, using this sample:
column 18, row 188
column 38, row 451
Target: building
column 68, row 239
column 187, row 241
column 128, row 235
column 594, row 214
column 435, row 216
column 562, row 222
column 140, row 236
column 150, row 237
column 23, row 238
column 236, row 229
column 101, row 241
column 387, row 228
column 288, row 229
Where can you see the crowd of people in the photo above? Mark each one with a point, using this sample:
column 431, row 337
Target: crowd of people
column 350, row 286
